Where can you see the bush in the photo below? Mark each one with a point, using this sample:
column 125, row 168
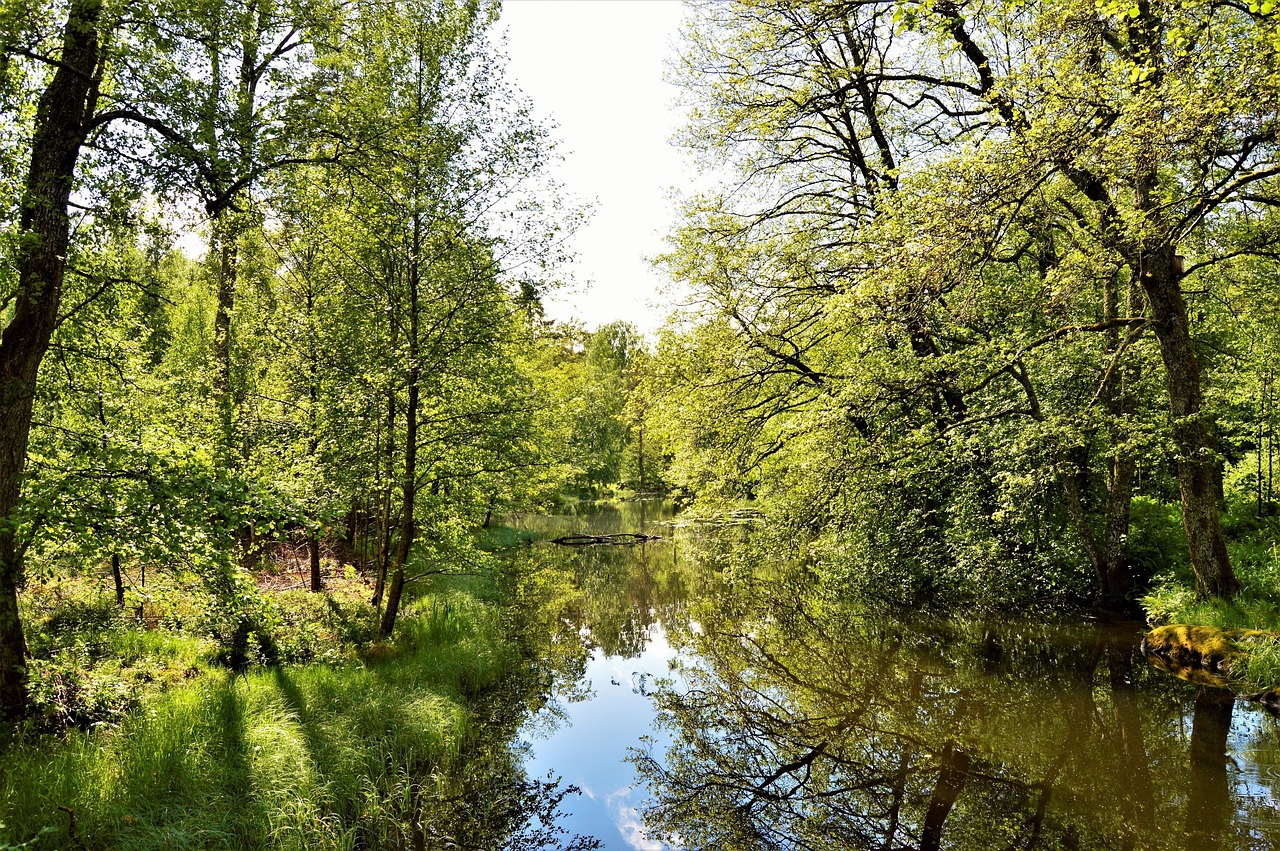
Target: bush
column 1157, row 542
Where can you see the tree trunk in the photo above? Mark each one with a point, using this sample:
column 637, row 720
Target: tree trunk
column 383, row 558
column 384, row 526
column 55, row 147
column 1115, row 554
column 1074, row 466
column 118, row 579
column 313, row 547
column 224, row 246
column 313, row 442
column 410, row 488
column 1118, row 582
column 1199, row 469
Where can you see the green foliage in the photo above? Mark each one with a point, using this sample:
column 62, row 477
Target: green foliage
column 924, row 324
column 499, row 538
column 1157, row 542
column 601, row 382
column 191, row 412
column 1173, row 600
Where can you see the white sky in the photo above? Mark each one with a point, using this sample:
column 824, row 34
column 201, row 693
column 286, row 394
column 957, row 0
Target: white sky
column 595, row 67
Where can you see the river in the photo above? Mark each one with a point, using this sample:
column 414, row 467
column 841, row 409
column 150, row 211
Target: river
column 703, row 697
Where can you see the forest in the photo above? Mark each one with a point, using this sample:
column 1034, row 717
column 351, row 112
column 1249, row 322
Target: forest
column 979, row 315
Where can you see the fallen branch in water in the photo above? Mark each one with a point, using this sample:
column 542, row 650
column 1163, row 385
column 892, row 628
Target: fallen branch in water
column 592, row 540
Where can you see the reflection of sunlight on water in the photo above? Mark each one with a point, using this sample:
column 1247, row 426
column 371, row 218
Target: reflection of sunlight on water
column 1253, row 762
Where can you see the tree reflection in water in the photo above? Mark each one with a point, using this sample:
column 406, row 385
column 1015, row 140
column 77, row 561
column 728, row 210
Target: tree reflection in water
column 1208, row 807
column 804, row 724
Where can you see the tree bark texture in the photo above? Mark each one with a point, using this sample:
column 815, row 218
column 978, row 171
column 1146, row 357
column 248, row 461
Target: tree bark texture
column 1199, row 469
column 55, row 147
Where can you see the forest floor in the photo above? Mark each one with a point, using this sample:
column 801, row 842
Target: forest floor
column 143, row 740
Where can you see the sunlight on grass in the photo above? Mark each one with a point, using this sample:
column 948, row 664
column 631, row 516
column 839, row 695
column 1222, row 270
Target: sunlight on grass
column 291, row 757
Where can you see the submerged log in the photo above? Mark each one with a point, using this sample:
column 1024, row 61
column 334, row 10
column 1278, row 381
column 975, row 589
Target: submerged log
column 593, row 540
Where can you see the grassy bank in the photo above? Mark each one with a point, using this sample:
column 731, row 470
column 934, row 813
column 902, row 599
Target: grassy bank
column 370, row 749
column 1253, row 544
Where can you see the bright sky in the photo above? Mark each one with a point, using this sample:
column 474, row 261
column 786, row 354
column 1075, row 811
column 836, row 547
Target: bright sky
column 595, row 67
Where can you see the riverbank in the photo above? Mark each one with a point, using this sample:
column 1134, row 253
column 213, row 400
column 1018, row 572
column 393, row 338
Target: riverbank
column 362, row 745
column 1252, row 545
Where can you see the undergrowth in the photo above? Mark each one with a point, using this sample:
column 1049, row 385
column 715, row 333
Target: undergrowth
column 365, row 746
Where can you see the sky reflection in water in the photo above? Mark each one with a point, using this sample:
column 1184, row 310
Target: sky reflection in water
column 589, row 748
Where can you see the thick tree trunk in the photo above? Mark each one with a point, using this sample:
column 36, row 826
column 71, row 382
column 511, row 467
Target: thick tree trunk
column 229, row 226
column 55, row 148
column 1199, row 470
column 225, row 252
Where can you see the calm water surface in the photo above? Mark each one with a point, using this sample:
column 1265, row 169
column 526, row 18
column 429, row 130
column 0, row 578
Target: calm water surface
column 699, row 706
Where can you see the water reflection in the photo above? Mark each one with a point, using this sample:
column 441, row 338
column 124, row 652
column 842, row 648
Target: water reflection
column 809, row 725
column 793, row 721
column 604, row 610
column 1209, row 793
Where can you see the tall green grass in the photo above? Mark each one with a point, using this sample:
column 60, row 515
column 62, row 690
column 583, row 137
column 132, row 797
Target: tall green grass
column 317, row 757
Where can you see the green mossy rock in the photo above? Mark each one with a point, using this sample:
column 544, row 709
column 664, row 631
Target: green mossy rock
column 1201, row 648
